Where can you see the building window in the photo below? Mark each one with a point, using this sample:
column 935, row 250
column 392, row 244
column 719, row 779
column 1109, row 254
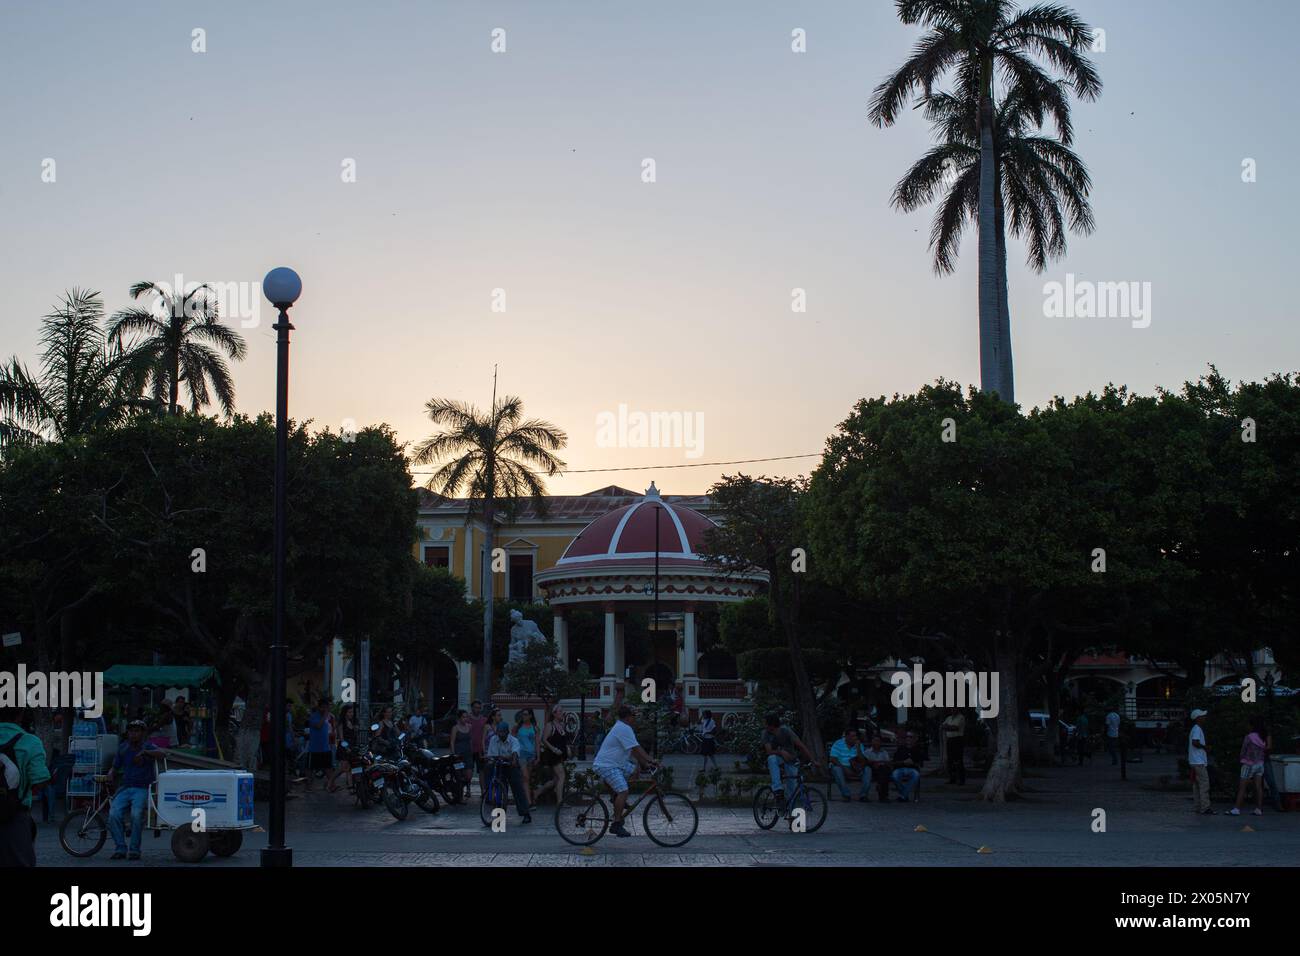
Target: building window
column 521, row 577
column 437, row 557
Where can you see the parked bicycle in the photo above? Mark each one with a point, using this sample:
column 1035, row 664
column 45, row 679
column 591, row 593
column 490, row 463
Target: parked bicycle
column 669, row 818
column 798, row 795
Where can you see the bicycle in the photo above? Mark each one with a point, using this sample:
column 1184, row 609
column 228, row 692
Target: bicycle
column 669, row 818
column 83, row 833
column 686, row 741
column 496, row 794
column 768, row 809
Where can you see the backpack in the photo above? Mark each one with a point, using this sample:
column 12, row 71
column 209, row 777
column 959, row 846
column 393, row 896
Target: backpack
column 10, row 780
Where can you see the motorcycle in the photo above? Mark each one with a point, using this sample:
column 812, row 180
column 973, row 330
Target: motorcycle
column 442, row 774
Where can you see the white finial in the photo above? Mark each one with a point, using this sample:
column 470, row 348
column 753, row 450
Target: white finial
column 652, row 491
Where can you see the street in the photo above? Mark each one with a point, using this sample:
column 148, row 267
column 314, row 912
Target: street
column 1052, row 826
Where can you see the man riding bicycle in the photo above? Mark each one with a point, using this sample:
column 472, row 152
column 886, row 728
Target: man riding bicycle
column 780, row 743
column 613, row 765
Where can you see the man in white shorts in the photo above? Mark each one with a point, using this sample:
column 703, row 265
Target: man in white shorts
column 617, row 760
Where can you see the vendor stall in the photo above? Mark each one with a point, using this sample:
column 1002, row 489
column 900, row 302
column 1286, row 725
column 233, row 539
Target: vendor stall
column 133, row 687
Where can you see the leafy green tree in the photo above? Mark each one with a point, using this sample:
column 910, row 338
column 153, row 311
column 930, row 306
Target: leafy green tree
column 760, row 529
column 974, row 41
column 541, row 674
column 1021, row 539
column 494, row 458
column 180, row 338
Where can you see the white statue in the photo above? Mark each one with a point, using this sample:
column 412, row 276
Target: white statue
column 522, row 633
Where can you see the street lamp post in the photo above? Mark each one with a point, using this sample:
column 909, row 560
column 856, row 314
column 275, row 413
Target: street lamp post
column 282, row 287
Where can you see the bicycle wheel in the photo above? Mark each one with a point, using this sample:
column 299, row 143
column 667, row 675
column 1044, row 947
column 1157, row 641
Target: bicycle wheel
column 767, row 808
column 691, row 744
column 581, row 819
column 83, row 835
column 670, row 819
column 494, row 799
column 813, row 803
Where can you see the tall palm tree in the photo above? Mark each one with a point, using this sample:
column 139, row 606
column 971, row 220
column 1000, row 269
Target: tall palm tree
column 496, row 458
column 181, row 340
column 84, row 383
column 979, row 41
column 1039, row 180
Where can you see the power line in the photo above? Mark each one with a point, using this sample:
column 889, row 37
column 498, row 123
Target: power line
column 698, row 464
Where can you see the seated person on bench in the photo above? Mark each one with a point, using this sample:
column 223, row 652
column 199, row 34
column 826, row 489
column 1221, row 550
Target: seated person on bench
column 848, row 763
column 907, row 761
column 879, row 765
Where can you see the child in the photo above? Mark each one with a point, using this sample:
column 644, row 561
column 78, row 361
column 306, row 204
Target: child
column 1252, row 767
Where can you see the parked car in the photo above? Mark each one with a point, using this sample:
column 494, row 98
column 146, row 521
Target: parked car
column 1038, row 723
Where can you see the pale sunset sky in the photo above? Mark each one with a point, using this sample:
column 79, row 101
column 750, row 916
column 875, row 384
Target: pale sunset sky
column 522, row 171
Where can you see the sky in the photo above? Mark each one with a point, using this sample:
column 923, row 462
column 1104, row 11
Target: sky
column 499, row 214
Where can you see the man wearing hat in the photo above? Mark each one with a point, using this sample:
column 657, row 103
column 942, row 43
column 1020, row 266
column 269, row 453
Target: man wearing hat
column 503, row 750
column 1198, row 759
column 135, row 761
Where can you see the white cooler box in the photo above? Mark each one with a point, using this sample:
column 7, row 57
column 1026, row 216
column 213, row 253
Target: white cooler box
column 226, row 797
column 1286, row 771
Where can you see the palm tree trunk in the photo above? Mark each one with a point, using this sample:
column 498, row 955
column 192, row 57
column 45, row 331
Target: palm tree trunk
column 1008, row 389
column 176, row 367
column 489, row 587
column 990, row 318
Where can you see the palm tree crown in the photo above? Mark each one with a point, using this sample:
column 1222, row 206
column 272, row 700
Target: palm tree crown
column 1041, row 182
column 987, row 46
column 181, row 340
column 84, row 382
column 495, row 457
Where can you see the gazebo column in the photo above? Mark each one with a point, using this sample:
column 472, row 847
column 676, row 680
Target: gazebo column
column 690, row 650
column 562, row 639
column 620, row 647
column 611, row 641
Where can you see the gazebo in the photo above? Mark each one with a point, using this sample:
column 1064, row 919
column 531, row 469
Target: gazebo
column 612, row 563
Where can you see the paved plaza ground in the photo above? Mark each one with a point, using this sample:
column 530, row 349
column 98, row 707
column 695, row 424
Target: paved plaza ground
column 1052, row 826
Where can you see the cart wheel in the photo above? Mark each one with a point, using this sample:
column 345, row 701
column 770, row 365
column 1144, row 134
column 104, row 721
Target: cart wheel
column 226, row 842
column 190, row 845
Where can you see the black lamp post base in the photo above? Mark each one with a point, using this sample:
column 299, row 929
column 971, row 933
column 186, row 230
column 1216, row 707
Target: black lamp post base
column 277, row 856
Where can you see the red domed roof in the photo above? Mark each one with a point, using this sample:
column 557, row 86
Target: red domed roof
column 629, row 532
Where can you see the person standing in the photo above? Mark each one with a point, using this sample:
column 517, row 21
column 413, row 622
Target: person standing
column 345, row 742
column 23, row 772
column 135, row 761
column 1112, row 736
column 461, row 745
column 708, row 740
column 478, row 739
column 184, row 725
column 954, row 736
column 526, row 734
column 554, row 751
column 1082, row 743
column 1253, row 754
column 1198, row 762
column 320, row 732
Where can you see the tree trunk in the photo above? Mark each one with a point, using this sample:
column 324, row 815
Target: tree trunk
column 1003, row 779
column 990, row 317
column 1005, row 371
column 489, row 588
column 805, row 699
